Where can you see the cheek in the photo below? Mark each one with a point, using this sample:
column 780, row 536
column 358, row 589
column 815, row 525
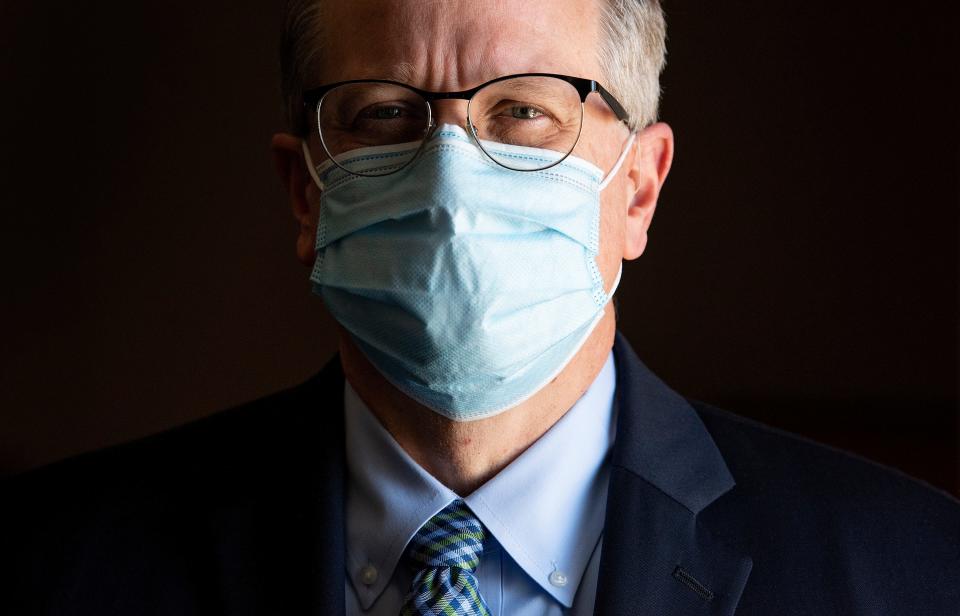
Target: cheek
column 598, row 147
column 601, row 138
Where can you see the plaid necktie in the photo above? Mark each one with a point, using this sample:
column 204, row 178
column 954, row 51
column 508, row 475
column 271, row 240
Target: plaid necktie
column 447, row 549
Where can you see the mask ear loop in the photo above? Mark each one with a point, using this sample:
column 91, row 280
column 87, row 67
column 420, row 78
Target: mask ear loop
column 310, row 167
column 616, row 282
column 603, row 184
column 616, row 166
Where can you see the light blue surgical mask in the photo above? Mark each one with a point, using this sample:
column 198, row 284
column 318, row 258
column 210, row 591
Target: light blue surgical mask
column 469, row 286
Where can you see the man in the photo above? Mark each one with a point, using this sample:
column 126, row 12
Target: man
column 468, row 178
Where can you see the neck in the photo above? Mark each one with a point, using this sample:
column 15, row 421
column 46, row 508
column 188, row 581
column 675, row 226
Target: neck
column 465, row 455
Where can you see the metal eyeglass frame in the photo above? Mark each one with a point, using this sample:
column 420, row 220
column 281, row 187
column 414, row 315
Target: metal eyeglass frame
column 313, row 98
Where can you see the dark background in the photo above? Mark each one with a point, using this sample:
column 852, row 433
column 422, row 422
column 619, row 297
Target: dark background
column 802, row 267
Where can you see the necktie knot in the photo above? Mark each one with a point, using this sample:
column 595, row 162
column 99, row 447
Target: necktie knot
column 446, row 551
column 451, row 538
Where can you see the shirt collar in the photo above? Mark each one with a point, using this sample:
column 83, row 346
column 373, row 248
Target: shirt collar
column 546, row 508
column 389, row 497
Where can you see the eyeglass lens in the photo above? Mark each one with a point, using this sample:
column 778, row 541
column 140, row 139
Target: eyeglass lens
column 534, row 112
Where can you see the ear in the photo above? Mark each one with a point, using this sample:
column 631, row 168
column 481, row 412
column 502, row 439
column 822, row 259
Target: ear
column 303, row 193
column 648, row 171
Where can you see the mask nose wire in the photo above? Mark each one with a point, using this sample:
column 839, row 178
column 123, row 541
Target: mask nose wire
column 616, row 166
column 312, row 169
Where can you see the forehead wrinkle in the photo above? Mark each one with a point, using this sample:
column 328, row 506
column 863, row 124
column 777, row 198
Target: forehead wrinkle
column 403, row 71
column 451, row 47
column 498, row 55
column 463, row 55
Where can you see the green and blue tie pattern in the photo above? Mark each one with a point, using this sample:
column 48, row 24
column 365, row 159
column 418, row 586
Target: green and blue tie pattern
column 447, row 551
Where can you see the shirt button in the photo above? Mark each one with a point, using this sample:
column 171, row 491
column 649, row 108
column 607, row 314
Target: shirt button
column 368, row 575
column 558, row 578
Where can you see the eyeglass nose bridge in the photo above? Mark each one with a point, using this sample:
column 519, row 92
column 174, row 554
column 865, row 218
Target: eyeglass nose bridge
column 443, row 113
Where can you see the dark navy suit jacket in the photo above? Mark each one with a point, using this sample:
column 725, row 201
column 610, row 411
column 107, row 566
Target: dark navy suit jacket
column 242, row 513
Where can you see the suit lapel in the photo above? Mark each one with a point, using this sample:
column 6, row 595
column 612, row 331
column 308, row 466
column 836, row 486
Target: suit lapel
column 279, row 543
column 658, row 558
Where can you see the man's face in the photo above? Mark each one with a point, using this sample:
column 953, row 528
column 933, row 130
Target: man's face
column 457, row 44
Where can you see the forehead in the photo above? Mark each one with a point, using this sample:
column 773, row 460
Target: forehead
column 456, row 44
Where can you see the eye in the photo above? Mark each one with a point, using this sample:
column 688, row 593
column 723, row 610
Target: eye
column 525, row 112
column 383, row 112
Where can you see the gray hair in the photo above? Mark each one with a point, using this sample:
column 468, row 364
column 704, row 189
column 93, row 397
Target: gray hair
column 632, row 48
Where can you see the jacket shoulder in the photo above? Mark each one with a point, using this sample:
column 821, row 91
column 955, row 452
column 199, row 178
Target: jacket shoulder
column 809, row 512
column 236, row 441
column 137, row 524
column 759, row 454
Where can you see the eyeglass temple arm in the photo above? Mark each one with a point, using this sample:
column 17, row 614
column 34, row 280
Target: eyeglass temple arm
column 614, row 104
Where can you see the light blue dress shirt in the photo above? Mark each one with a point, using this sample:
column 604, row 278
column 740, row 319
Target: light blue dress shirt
column 543, row 513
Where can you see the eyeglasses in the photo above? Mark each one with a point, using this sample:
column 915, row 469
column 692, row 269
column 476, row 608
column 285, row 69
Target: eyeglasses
column 534, row 110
